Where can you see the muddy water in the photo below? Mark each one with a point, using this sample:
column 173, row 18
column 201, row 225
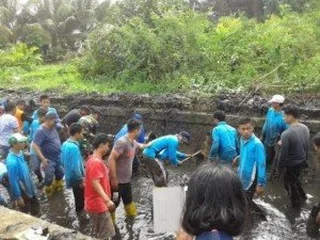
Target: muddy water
column 283, row 222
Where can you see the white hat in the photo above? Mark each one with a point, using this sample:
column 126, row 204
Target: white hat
column 277, row 99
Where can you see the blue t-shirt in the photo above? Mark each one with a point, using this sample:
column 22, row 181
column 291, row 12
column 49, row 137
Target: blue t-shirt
column 49, row 142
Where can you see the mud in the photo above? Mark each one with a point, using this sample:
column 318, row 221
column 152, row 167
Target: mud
column 169, row 114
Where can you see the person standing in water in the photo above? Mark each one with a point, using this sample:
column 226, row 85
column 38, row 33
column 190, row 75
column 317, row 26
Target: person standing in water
column 273, row 127
column 295, row 143
column 252, row 161
column 225, row 144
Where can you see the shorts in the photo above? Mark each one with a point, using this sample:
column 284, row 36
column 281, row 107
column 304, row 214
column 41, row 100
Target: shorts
column 54, row 169
column 102, row 225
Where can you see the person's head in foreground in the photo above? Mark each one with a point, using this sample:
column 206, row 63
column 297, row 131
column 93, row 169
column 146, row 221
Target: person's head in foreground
column 219, row 116
column 215, row 201
column 134, row 127
column 316, row 142
column 245, row 128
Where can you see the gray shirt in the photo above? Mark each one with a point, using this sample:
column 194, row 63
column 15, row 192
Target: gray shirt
column 127, row 151
column 295, row 145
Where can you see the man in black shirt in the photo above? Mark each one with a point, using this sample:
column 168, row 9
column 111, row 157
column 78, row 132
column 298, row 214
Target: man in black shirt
column 295, row 143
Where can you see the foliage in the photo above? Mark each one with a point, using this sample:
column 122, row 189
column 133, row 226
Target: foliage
column 21, row 56
column 282, row 52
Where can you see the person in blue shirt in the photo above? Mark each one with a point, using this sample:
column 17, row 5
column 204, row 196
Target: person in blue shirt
column 44, row 104
column 225, row 144
column 21, row 185
column 252, row 161
column 215, row 207
column 168, row 146
column 35, row 163
column 73, row 164
column 140, row 139
column 273, row 127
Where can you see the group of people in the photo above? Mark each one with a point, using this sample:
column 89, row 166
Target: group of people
column 57, row 151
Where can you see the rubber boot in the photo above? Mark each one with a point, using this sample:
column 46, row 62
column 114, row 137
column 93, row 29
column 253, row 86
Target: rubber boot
column 130, row 209
column 48, row 190
column 57, row 185
column 113, row 217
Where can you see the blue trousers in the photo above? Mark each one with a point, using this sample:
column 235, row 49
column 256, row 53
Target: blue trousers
column 53, row 169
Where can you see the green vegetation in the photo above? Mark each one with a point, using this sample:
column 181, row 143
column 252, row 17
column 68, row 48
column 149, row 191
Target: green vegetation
column 164, row 46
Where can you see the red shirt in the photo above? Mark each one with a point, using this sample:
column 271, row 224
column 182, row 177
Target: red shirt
column 96, row 169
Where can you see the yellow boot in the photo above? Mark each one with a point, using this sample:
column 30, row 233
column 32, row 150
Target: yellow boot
column 130, row 209
column 57, row 185
column 113, row 217
column 48, row 190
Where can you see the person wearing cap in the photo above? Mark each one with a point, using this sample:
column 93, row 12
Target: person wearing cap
column 295, row 142
column 120, row 164
column 8, row 125
column 21, row 185
column 35, row 163
column 90, row 123
column 274, row 126
column 140, row 139
column 225, row 144
column 44, row 104
column 168, row 146
column 47, row 146
column 74, row 115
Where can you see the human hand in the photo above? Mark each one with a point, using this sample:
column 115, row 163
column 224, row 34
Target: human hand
column 182, row 235
column 20, row 202
column 111, row 206
column 279, row 143
column 259, row 191
column 114, row 183
column 235, row 161
column 44, row 163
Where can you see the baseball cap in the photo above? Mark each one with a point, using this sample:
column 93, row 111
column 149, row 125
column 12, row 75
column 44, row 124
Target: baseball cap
column 137, row 116
column 17, row 138
column 185, row 136
column 277, row 99
column 51, row 115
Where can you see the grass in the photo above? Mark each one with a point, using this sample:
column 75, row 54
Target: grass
column 65, row 79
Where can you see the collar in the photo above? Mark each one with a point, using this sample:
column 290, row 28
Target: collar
column 73, row 141
column 253, row 136
column 222, row 123
column 15, row 154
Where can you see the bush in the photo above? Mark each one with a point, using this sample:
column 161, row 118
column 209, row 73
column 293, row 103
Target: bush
column 235, row 52
column 20, row 55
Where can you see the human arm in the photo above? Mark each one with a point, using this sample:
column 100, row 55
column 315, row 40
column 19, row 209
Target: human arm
column 15, row 191
column 98, row 188
column 214, row 150
column 112, row 166
column 260, row 156
column 172, row 152
column 284, row 151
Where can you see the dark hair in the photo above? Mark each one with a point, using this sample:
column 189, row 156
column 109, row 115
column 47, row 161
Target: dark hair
column 292, row 110
column 21, row 102
column 219, row 115
column 9, row 107
column 215, row 200
column 75, row 128
column 133, row 124
column 85, row 108
column 243, row 121
column 316, row 140
column 100, row 138
column 43, row 97
column 41, row 112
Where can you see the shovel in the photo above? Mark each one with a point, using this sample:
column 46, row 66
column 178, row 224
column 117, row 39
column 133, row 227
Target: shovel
column 188, row 158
